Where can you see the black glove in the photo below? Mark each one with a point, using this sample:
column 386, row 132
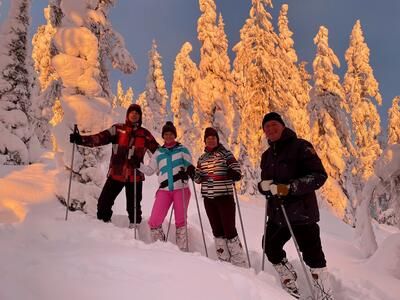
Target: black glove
column 191, row 170
column 183, row 175
column 75, row 138
column 135, row 162
column 234, row 175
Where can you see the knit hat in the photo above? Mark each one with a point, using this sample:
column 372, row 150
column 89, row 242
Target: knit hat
column 272, row 116
column 134, row 107
column 210, row 132
column 168, row 127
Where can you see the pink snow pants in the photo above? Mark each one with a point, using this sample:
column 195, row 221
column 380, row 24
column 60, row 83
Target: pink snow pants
column 163, row 201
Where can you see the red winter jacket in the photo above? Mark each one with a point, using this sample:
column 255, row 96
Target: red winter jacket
column 129, row 145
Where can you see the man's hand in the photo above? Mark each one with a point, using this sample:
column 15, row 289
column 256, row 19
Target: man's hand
column 264, row 186
column 279, row 190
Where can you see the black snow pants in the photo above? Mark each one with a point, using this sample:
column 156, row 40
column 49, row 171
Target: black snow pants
column 221, row 214
column 308, row 238
column 110, row 192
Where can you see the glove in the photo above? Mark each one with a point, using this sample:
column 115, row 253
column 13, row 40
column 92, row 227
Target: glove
column 75, row 138
column 183, row 175
column 191, row 171
column 264, row 187
column 280, row 190
column 135, row 162
column 234, row 175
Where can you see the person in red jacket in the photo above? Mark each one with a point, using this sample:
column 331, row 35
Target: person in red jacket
column 130, row 141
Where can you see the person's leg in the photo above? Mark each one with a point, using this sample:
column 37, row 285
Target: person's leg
column 130, row 198
column 221, row 246
column 226, row 211
column 213, row 217
column 277, row 237
column 107, row 197
column 179, row 212
column 308, row 238
column 160, row 208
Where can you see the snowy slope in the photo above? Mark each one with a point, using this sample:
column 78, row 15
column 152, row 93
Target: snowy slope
column 44, row 257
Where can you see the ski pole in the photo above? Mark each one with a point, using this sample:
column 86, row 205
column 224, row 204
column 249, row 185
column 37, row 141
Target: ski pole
column 201, row 223
column 134, row 200
column 70, row 174
column 265, row 235
column 169, row 224
column 298, row 251
column 184, row 211
column 241, row 223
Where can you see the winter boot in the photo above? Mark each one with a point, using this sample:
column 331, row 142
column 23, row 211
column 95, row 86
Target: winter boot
column 181, row 239
column 236, row 251
column 222, row 249
column 322, row 284
column 288, row 277
column 157, row 234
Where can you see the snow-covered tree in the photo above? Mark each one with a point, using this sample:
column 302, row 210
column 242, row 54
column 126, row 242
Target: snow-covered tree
column 123, row 99
column 254, row 74
column 385, row 204
column 19, row 144
column 293, row 90
column 50, row 87
column 155, row 101
column 329, row 132
column 182, row 96
column 214, row 88
column 84, row 40
column 362, row 90
column 394, row 122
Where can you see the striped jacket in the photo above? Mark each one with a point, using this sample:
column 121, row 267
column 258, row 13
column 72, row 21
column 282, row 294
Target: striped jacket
column 128, row 145
column 167, row 162
column 212, row 172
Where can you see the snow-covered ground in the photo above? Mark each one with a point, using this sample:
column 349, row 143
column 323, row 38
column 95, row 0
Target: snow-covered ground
column 44, row 257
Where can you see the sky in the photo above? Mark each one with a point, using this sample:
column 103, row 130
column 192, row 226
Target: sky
column 173, row 22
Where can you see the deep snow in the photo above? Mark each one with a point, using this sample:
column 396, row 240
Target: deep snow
column 44, row 257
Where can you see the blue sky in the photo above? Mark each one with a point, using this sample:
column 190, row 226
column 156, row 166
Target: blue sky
column 172, row 22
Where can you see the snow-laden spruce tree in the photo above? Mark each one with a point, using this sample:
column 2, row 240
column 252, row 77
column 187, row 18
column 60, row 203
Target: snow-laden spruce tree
column 362, row 91
column 154, row 103
column 182, row 97
column 329, row 121
column 293, row 92
column 214, row 87
column 84, row 41
column 254, row 74
column 19, row 144
column 385, row 204
column 394, row 122
column 47, row 111
column 123, row 99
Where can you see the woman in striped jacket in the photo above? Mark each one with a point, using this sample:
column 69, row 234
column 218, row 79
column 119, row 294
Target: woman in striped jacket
column 217, row 170
column 172, row 162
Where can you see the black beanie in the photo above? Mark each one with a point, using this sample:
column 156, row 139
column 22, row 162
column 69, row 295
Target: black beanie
column 210, row 132
column 168, row 127
column 272, row 116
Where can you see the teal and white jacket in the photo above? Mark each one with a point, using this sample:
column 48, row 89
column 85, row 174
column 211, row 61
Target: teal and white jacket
column 167, row 162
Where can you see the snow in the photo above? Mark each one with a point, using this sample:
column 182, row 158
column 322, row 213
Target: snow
column 42, row 256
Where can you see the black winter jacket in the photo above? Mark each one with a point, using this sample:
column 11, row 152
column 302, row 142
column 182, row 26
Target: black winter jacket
column 293, row 161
